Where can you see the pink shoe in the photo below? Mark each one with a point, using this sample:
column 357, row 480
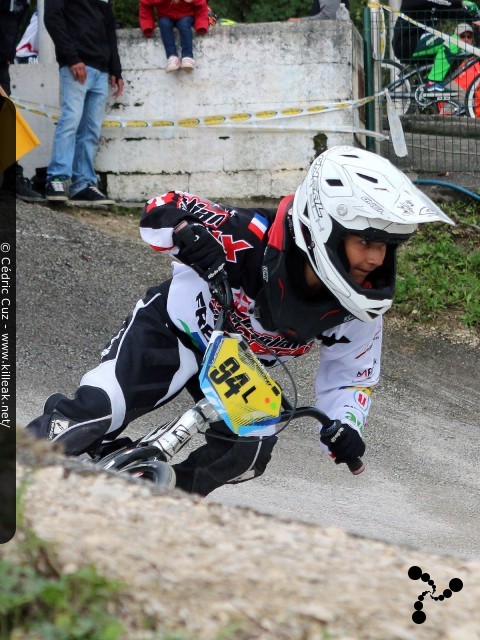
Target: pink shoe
column 173, row 64
column 188, row 64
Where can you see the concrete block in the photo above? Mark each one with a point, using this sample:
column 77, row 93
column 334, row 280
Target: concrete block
column 247, row 69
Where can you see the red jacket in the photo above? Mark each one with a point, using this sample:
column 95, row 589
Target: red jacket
column 174, row 10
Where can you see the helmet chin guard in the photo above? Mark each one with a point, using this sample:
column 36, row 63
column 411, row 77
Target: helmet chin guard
column 350, row 190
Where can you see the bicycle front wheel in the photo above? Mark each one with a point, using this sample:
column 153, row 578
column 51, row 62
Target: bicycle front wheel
column 156, row 471
column 399, row 88
column 118, row 460
column 472, row 98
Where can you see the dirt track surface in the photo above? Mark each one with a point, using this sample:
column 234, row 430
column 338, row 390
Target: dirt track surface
column 421, row 487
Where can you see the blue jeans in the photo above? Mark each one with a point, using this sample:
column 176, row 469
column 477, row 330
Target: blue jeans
column 184, row 26
column 77, row 133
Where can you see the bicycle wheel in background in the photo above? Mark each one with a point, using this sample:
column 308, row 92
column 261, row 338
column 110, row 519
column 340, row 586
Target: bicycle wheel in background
column 392, row 78
column 472, row 98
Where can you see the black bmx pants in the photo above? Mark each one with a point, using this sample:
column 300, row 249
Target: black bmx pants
column 145, row 365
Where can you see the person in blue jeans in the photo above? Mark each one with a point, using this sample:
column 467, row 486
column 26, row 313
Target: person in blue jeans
column 86, row 49
column 184, row 26
column 182, row 15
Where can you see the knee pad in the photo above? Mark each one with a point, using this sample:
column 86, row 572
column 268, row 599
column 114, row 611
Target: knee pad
column 77, row 423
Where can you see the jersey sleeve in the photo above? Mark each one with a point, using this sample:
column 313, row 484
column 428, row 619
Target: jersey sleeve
column 349, row 368
column 160, row 216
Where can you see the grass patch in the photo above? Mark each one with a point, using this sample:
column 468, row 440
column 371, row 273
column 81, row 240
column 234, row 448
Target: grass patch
column 439, row 270
column 38, row 603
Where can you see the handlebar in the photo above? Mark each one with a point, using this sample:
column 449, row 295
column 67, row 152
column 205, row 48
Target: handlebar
column 221, row 290
column 355, row 465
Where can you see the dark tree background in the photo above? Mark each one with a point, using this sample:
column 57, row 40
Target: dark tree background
column 126, row 11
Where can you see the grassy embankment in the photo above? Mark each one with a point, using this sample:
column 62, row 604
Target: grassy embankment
column 439, row 270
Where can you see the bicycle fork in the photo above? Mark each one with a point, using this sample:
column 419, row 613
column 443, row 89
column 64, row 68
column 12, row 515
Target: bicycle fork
column 169, row 438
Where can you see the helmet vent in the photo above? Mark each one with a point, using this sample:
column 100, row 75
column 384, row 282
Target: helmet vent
column 349, row 155
column 334, row 182
column 369, row 178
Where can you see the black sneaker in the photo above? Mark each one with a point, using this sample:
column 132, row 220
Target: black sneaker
column 90, row 195
column 55, row 190
column 24, row 191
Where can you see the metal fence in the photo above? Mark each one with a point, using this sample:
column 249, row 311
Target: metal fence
column 436, row 95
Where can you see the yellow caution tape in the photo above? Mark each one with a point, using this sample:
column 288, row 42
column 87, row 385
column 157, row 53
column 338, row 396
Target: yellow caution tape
column 210, row 121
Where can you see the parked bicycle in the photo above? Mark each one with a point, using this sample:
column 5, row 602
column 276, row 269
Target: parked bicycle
column 237, row 389
column 407, row 86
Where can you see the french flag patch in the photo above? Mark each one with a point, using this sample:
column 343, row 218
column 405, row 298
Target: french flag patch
column 258, row 225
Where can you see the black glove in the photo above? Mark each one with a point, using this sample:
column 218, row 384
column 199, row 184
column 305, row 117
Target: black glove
column 344, row 441
column 201, row 252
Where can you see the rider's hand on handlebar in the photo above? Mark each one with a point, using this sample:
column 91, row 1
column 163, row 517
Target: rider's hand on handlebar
column 204, row 254
column 343, row 441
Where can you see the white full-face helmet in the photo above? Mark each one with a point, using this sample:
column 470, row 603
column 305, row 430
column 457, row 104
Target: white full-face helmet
column 350, row 190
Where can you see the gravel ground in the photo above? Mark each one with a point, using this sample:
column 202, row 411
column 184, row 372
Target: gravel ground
column 201, row 568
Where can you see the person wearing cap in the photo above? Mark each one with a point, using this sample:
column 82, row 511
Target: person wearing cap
column 412, row 43
column 467, row 72
column 464, row 31
column 448, row 54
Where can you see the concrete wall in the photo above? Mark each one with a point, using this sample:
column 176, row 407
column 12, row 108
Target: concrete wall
column 240, row 69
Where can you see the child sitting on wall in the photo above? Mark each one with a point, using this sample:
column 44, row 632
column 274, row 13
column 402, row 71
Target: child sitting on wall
column 179, row 14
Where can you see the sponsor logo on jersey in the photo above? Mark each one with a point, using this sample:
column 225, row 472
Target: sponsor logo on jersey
column 231, row 246
column 361, row 397
column 367, row 373
column 365, row 350
column 158, row 201
column 211, row 214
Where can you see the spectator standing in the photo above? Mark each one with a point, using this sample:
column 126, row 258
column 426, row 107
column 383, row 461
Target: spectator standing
column 12, row 13
column 83, row 32
column 179, row 14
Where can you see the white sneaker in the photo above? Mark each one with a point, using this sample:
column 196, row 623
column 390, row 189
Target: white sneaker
column 188, row 64
column 173, row 64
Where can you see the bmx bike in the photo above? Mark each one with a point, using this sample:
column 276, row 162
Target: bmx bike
column 407, row 86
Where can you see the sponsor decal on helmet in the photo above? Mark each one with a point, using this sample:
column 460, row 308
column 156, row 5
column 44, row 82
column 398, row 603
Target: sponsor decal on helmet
column 407, row 207
column 373, row 204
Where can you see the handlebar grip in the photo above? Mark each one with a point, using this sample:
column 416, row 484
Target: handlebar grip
column 356, row 466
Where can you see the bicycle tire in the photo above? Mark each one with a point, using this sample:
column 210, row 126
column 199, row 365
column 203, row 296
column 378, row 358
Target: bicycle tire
column 399, row 88
column 472, row 98
column 156, row 471
column 118, row 460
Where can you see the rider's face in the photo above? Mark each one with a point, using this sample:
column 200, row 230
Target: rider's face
column 364, row 256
